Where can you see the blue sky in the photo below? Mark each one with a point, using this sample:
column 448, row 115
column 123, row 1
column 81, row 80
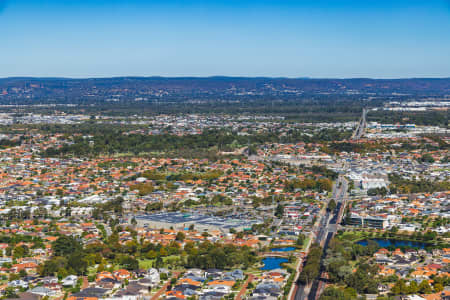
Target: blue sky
column 314, row 38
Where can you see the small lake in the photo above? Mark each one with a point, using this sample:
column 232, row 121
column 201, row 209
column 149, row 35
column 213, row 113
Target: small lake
column 271, row 263
column 396, row 243
column 285, row 249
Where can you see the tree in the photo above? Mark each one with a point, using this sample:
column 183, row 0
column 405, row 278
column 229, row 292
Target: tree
column 151, row 254
column 394, row 229
column 77, row 262
column 308, row 273
column 189, row 247
column 142, row 188
column 10, row 292
column 62, row 273
column 180, row 236
column 430, row 235
column 65, row 245
column 159, row 262
column 427, row 158
column 129, row 263
column 331, row 205
column 424, row 287
column 208, row 255
column 300, row 240
column 399, row 288
column 155, row 206
column 22, row 273
column 332, row 293
column 413, row 287
column 377, row 191
column 279, row 211
column 438, row 287
column 324, row 184
column 311, row 269
column 252, row 150
column 163, row 251
column 131, row 247
column 52, row 265
column 20, row 251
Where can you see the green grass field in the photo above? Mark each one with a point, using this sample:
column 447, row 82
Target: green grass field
column 148, row 263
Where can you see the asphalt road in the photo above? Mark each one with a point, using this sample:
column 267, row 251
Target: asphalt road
column 327, row 228
column 361, row 126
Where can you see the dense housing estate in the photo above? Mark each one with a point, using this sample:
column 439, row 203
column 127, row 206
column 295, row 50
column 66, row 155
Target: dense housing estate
column 80, row 223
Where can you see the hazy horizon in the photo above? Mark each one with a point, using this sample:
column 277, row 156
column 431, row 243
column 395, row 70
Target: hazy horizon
column 222, row 76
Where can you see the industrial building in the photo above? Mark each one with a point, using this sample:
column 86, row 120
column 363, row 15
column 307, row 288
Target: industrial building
column 179, row 220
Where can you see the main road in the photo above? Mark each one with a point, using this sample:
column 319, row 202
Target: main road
column 328, row 224
column 361, row 126
column 324, row 231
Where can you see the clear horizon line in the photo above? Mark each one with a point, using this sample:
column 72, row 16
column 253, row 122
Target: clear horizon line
column 223, row 76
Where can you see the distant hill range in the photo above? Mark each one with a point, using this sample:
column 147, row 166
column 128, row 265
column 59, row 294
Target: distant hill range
column 63, row 90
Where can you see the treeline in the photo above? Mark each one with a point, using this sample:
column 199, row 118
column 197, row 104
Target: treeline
column 167, row 179
column 311, row 269
column 324, row 171
column 6, row 143
column 341, row 272
column 381, row 191
column 402, row 288
column 16, row 244
column 143, row 188
column 14, row 239
column 258, row 201
column 400, row 185
column 342, row 257
column 116, row 142
column 323, row 135
column 431, row 118
column 71, row 257
column 186, row 176
column 68, row 258
column 208, row 255
column 106, row 210
column 317, row 108
column 111, row 141
column 179, row 176
column 431, row 239
column 322, row 184
column 90, row 127
column 333, row 293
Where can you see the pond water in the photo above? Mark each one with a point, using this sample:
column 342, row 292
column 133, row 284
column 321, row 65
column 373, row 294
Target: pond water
column 271, row 263
column 396, row 243
column 285, row 249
